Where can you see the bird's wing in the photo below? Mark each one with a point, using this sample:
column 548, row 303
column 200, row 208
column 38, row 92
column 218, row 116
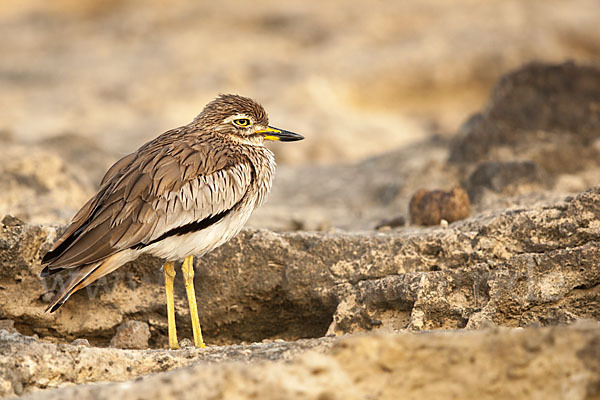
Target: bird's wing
column 81, row 217
column 162, row 187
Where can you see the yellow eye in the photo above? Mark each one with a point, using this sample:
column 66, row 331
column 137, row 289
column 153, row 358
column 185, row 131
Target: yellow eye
column 242, row 122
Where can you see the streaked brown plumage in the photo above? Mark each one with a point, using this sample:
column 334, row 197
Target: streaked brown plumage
column 183, row 193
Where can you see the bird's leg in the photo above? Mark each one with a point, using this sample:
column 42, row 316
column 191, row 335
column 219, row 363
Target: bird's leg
column 169, row 277
column 188, row 275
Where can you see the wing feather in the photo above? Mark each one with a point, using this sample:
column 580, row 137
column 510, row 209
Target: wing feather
column 148, row 193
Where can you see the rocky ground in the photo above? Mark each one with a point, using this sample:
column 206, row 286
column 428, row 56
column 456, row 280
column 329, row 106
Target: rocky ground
column 333, row 291
column 558, row 362
column 313, row 302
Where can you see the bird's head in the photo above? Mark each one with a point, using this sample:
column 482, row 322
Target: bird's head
column 242, row 119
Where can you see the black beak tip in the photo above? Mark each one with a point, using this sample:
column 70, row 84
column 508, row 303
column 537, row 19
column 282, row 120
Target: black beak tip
column 291, row 137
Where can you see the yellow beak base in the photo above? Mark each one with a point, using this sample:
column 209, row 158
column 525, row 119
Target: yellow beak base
column 271, row 133
column 269, row 137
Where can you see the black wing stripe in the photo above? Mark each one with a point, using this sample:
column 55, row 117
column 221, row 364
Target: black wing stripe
column 188, row 228
column 197, row 225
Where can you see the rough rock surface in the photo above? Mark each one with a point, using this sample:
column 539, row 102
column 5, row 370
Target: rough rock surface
column 558, row 362
column 505, row 177
column 540, row 131
column 26, row 364
column 537, row 114
column 514, row 268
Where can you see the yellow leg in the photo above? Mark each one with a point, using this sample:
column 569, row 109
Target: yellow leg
column 169, row 277
column 188, row 275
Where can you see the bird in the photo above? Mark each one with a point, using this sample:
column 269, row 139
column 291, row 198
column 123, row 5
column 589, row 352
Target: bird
column 180, row 195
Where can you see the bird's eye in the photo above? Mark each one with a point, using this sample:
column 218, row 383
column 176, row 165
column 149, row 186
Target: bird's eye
column 242, row 122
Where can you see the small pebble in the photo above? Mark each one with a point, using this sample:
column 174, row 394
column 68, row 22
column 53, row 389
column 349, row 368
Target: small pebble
column 18, row 388
column 10, row 220
column 131, row 335
column 388, row 224
column 80, row 342
column 47, row 297
column 8, row 325
column 430, row 207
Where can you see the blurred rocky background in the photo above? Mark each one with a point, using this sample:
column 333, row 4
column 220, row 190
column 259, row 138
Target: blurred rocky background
column 92, row 80
column 479, row 118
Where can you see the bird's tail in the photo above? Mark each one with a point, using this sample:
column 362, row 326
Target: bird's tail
column 86, row 274
column 72, row 285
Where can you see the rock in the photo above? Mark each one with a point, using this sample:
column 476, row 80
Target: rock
column 430, row 207
column 519, row 267
column 10, row 220
column 26, row 364
column 80, row 342
column 6, row 136
column 544, row 113
column 39, row 186
column 391, row 223
column 488, row 364
column 505, row 178
column 131, row 335
column 8, row 325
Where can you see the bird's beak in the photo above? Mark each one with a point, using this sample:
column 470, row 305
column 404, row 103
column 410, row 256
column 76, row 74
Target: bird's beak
column 271, row 133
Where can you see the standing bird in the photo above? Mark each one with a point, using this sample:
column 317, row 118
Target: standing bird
column 182, row 194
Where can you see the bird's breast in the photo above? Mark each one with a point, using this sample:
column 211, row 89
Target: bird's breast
column 200, row 242
column 179, row 246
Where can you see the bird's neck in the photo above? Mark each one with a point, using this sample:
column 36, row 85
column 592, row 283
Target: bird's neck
column 263, row 162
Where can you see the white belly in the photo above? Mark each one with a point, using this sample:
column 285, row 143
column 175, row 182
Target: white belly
column 199, row 243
